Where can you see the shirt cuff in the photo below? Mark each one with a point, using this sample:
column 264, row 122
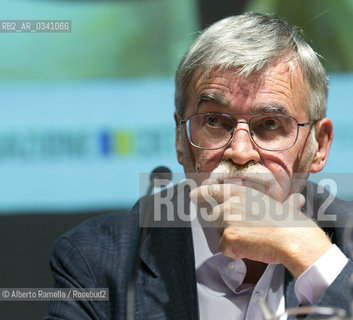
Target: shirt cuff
column 313, row 282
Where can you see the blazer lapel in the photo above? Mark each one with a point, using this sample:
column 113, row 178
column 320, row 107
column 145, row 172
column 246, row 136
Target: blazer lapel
column 167, row 272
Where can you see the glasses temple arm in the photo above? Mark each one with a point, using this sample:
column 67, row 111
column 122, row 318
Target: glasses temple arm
column 307, row 123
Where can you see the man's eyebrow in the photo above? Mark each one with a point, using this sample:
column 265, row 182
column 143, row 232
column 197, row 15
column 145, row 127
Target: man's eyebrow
column 212, row 97
column 270, row 108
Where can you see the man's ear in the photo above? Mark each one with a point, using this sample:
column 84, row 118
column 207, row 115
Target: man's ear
column 324, row 136
column 179, row 149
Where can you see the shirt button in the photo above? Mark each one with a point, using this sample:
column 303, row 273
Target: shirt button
column 231, row 265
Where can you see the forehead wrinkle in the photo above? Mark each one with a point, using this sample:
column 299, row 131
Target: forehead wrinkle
column 227, row 83
column 203, row 89
column 290, row 76
column 222, row 87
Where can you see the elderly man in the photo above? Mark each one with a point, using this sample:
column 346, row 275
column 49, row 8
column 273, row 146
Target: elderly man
column 251, row 120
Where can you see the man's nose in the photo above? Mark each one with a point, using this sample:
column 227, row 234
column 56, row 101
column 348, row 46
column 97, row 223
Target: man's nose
column 241, row 149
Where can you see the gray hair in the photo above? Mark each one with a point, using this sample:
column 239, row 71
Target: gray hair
column 250, row 43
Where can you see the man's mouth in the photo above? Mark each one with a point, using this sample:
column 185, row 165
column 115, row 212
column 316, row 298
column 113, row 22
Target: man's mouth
column 252, row 176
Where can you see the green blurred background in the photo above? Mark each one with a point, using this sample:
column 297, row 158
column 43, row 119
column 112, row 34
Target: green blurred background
column 146, row 38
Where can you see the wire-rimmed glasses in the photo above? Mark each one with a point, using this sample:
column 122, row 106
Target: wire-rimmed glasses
column 271, row 132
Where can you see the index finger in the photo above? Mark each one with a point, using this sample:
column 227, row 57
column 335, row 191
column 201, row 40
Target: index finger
column 215, row 194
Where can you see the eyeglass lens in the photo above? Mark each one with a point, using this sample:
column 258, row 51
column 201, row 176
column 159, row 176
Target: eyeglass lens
column 270, row 132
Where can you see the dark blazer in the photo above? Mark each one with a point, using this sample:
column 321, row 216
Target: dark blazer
column 99, row 253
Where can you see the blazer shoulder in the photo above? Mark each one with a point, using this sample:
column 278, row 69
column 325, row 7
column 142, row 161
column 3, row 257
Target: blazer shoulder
column 101, row 232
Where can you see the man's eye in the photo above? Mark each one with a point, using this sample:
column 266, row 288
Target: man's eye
column 213, row 122
column 271, row 124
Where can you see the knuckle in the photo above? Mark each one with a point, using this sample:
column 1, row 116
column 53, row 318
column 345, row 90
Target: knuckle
column 228, row 249
column 230, row 235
